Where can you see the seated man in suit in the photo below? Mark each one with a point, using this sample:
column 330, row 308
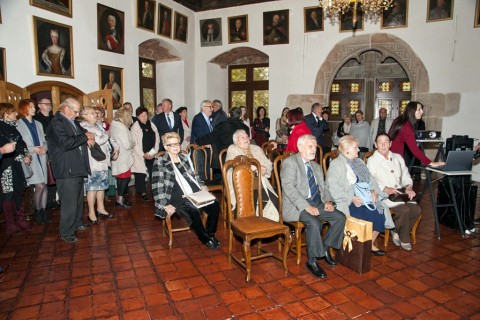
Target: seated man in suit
column 201, row 123
column 168, row 121
column 306, row 199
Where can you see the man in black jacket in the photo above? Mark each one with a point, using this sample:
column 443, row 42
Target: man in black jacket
column 67, row 148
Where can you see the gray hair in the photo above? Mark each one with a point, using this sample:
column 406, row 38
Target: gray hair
column 304, row 138
column 235, row 135
column 69, row 103
column 203, row 102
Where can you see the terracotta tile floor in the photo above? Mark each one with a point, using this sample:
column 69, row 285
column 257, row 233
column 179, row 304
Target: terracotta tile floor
column 123, row 269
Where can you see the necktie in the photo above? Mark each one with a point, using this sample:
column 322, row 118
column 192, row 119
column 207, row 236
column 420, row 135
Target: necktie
column 312, row 184
column 318, row 121
column 210, row 125
column 169, row 121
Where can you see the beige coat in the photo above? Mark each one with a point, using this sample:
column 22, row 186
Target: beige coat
column 137, row 136
column 123, row 138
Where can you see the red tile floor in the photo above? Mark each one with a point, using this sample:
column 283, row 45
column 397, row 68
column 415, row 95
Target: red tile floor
column 123, row 269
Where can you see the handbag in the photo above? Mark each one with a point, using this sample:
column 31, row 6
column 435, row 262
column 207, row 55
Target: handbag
column 27, row 170
column 50, row 177
column 201, row 198
column 399, row 197
column 362, row 190
column 97, row 153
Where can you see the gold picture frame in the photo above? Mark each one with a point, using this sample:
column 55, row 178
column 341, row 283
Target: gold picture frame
column 53, row 48
column 146, row 14
column 110, row 29
column 439, row 10
column 276, row 27
column 238, row 29
column 3, row 64
column 346, row 21
column 313, row 19
column 476, row 22
column 112, row 78
column 165, row 15
column 181, row 27
column 395, row 17
column 63, row 7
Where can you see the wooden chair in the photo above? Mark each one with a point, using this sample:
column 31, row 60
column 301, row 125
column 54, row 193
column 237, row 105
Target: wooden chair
column 266, row 145
column 367, row 155
column 319, row 155
column 221, row 158
column 244, row 223
column 327, row 158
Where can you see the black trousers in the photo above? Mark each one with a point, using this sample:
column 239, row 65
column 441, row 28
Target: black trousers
column 193, row 216
column 70, row 192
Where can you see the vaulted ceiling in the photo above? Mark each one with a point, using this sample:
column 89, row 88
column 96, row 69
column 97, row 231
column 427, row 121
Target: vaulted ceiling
column 204, row 5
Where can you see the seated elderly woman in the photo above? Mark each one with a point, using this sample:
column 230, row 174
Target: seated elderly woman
column 391, row 173
column 241, row 146
column 345, row 173
column 173, row 177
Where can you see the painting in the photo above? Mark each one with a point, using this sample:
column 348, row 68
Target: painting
column 396, row 16
column 112, row 78
column 110, row 29
column 238, row 29
column 3, row 65
column 181, row 27
column 439, row 10
column 346, row 20
column 146, row 14
column 476, row 23
column 53, row 48
column 275, row 27
column 63, row 7
column 164, row 21
column 313, row 17
column 211, row 32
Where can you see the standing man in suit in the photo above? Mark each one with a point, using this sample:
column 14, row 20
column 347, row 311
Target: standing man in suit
column 306, row 199
column 380, row 124
column 201, row 123
column 316, row 123
column 218, row 115
column 168, row 121
column 68, row 146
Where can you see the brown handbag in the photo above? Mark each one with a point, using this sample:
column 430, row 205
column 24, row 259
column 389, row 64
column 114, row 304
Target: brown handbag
column 50, row 177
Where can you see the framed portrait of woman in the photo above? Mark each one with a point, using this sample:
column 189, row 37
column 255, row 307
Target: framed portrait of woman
column 238, row 29
column 164, row 21
column 476, row 23
column 3, row 65
column 53, row 48
column 439, row 10
column 146, row 14
column 110, row 29
column 63, row 7
column 181, row 27
column 396, row 16
column 112, row 78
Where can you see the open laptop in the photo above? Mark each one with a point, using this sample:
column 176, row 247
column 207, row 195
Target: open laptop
column 458, row 161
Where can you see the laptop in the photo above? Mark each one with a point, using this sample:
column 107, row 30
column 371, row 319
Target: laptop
column 458, row 161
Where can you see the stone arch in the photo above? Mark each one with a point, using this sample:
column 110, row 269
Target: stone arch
column 158, row 50
column 240, row 55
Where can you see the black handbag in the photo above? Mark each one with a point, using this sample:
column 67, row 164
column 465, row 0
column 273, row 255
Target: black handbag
column 97, row 153
column 399, row 197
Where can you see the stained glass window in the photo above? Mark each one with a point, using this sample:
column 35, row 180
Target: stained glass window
column 149, row 100
column 335, row 87
column 335, row 107
column 260, row 74
column 385, row 103
column 405, row 86
column 353, row 106
column 239, row 98
column 403, row 105
column 147, row 70
column 354, row 87
column 385, row 86
column 239, row 75
column 260, row 98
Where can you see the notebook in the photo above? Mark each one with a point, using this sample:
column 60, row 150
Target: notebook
column 458, row 161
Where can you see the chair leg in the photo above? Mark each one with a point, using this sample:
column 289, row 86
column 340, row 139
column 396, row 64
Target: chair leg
column 169, row 229
column 288, row 240
column 298, row 243
column 413, row 232
column 230, row 245
column 247, row 258
column 385, row 239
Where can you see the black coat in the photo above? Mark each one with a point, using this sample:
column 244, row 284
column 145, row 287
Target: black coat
column 160, row 121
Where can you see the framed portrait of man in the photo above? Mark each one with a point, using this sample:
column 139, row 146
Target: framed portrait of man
column 313, row 17
column 181, row 27
column 110, row 29
column 3, row 65
column 238, row 29
column 63, row 7
column 211, row 32
column 112, row 78
column 439, row 10
column 346, row 20
column 396, row 16
column 53, row 48
column 164, row 21
column 275, row 27
column 476, row 23
column 146, row 14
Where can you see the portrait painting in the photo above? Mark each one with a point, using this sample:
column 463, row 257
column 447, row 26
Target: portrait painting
column 346, row 20
column 63, row 7
column 110, row 29
column 181, row 27
column 164, row 21
column 313, row 17
column 53, row 48
column 396, row 16
column 439, row 10
column 146, row 14
column 3, row 65
column 211, row 32
column 238, row 29
column 112, row 78
column 275, row 27
column 476, row 23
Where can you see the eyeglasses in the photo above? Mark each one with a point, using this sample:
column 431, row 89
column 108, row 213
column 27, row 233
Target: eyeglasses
column 173, row 144
column 76, row 111
column 47, row 104
column 208, row 107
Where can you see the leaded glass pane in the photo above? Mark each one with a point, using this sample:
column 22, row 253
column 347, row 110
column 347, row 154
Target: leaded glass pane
column 239, row 98
column 260, row 98
column 260, row 74
column 239, row 75
column 354, row 87
column 335, row 107
column 148, row 100
column 405, row 86
column 147, row 70
column 385, row 86
column 385, row 103
column 353, row 106
column 335, row 87
column 403, row 105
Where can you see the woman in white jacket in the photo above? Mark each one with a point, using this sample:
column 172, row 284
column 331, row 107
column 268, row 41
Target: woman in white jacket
column 121, row 167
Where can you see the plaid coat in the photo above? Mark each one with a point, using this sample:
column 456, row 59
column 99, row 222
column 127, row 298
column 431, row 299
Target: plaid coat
column 163, row 180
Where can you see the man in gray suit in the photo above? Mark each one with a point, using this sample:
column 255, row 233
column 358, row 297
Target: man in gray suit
column 305, row 199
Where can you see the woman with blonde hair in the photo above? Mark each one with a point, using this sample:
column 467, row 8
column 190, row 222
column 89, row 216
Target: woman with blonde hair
column 120, row 132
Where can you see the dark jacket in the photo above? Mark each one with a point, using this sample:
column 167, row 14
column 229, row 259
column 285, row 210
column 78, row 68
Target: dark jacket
column 67, row 148
column 160, row 121
column 316, row 128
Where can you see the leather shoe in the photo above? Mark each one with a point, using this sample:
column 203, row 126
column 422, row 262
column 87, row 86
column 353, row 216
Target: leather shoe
column 83, row 227
column 70, row 239
column 123, row 205
column 103, row 215
column 128, row 203
column 329, row 259
column 378, row 253
column 315, row 269
column 93, row 221
column 145, row 197
column 211, row 244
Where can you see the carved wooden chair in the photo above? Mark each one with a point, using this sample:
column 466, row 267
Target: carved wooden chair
column 327, row 158
column 244, row 223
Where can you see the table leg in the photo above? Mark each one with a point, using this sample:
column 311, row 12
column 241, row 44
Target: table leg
column 434, row 203
column 455, row 206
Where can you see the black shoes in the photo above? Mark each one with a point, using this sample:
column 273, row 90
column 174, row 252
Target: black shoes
column 103, row 215
column 145, row 197
column 93, row 221
column 70, row 239
column 212, row 244
column 83, row 227
column 128, row 203
column 123, row 205
column 315, row 269
column 378, row 253
column 329, row 259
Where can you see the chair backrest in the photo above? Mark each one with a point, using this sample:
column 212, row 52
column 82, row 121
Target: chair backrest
column 367, row 155
column 327, row 158
column 222, row 156
column 101, row 98
column 265, row 145
column 200, row 160
column 277, row 168
column 319, row 155
column 244, row 184
column 12, row 93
